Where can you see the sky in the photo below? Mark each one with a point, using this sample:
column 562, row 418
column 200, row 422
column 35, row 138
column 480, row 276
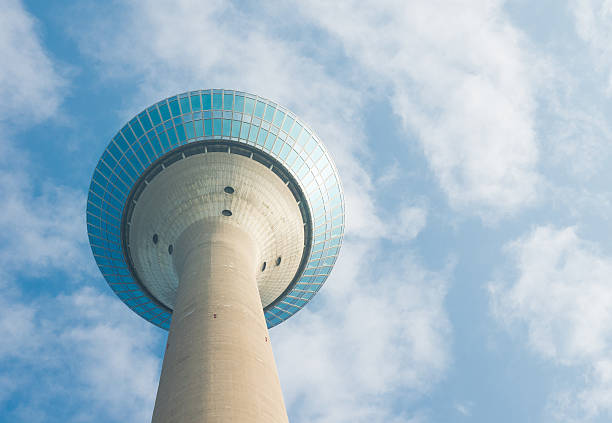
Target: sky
column 472, row 139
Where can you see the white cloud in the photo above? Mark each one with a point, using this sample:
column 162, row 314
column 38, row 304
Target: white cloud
column 460, row 79
column 594, row 25
column 562, row 297
column 30, row 86
column 379, row 335
column 86, row 350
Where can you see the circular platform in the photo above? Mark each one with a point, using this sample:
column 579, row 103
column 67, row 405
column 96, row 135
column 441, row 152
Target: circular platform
column 243, row 131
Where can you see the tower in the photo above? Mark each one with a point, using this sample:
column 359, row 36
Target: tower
column 216, row 215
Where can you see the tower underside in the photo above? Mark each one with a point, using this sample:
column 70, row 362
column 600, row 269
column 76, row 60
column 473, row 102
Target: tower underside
column 218, row 365
column 216, row 237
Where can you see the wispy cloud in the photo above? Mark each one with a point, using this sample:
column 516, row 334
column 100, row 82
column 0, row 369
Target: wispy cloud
column 460, row 79
column 561, row 296
column 30, row 84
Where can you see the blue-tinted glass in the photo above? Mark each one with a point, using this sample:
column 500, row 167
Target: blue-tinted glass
column 207, row 127
column 145, row 121
column 227, row 126
column 278, row 118
column 128, row 134
column 181, row 133
column 217, row 101
column 185, row 105
column 295, row 130
column 147, row 148
column 277, row 146
column 269, row 141
column 244, row 131
column 261, row 138
column 235, row 128
column 227, row 101
column 285, row 151
column 291, row 157
column 316, row 154
column 172, row 137
column 248, row 106
column 199, row 129
column 206, row 102
column 299, row 162
column 190, row 130
column 121, row 143
column 269, row 113
column 253, row 133
column 165, row 112
column 259, row 109
column 114, row 150
column 195, row 103
column 154, row 115
column 174, row 107
column 304, row 136
column 239, row 103
column 217, row 125
column 165, row 142
column 287, row 124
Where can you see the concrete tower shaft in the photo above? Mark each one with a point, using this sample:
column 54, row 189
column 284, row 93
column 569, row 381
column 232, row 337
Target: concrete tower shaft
column 218, row 365
column 200, row 234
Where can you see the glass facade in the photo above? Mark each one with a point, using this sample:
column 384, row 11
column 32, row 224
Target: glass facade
column 214, row 115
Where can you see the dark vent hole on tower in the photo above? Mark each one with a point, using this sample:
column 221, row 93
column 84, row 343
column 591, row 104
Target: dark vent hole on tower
column 278, row 260
column 155, row 238
column 263, row 266
column 170, row 249
column 228, row 190
column 226, row 213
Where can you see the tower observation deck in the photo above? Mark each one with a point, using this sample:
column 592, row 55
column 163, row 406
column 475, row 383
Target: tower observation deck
column 216, row 215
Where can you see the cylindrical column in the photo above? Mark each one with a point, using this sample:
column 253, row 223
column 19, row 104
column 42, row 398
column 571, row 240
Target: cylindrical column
column 218, row 366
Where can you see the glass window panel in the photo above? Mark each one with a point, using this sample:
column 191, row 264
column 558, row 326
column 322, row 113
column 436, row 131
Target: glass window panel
column 190, row 130
column 302, row 172
column 165, row 112
column 145, row 121
column 206, row 102
column 164, row 141
column 228, row 100
column 217, row 125
column 285, row 151
column 299, row 162
column 259, row 109
column 278, row 118
column 287, row 124
column 128, row 135
column 253, row 133
column 291, row 157
column 136, row 127
column 121, row 143
column 277, row 146
column 269, row 113
column 227, row 126
column 316, row 154
column 235, row 128
column 239, row 103
column 141, row 155
column 172, row 137
column 174, row 108
column 304, row 137
column 207, row 127
column 295, row 131
column 199, row 129
column 195, row 103
column 155, row 117
column 261, row 138
column 185, row 105
column 180, row 130
column 244, row 131
column 148, row 150
column 217, row 101
column 269, row 141
column 249, row 104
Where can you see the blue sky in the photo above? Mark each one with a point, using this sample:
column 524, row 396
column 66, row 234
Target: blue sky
column 473, row 141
